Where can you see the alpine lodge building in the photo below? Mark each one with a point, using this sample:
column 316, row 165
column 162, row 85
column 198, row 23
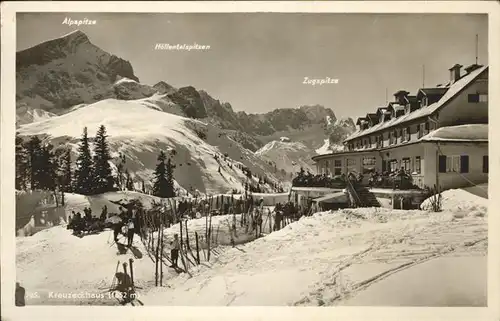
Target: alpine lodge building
column 439, row 135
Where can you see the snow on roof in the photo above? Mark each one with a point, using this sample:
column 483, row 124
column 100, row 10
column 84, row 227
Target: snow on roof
column 425, row 111
column 470, row 132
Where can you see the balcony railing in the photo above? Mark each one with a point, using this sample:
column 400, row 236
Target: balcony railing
column 396, row 180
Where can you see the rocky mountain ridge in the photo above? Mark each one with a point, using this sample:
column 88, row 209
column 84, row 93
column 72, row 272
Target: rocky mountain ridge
column 67, row 73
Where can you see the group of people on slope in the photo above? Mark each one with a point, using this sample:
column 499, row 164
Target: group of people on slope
column 86, row 223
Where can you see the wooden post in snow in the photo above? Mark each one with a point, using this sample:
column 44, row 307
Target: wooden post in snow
column 209, row 235
column 131, row 260
column 197, row 248
column 187, row 236
column 161, row 253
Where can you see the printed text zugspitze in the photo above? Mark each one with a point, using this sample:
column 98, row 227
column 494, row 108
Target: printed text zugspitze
column 314, row 82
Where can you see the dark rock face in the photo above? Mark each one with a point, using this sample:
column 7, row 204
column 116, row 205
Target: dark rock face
column 63, row 72
column 58, row 74
column 163, row 88
column 190, row 101
column 51, row 50
column 119, row 67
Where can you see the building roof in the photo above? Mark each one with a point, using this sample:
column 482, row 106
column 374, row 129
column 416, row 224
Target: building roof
column 469, row 132
column 437, row 91
column 372, row 117
column 451, row 92
column 360, row 120
column 456, row 66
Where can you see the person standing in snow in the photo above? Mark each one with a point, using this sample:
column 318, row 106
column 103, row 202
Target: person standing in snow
column 174, row 252
column 20, row 295
column 116, row 230
column 130, row 232
column 104, row 213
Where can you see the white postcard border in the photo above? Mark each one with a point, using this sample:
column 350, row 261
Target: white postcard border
column 7, row 133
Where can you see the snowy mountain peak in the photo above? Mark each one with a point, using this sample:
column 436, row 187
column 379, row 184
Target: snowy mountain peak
column 345, row 122
column 76, row 36
column 50, row 50
column 163, row 87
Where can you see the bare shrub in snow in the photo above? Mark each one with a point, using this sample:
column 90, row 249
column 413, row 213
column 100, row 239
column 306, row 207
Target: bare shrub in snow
column 435, row 199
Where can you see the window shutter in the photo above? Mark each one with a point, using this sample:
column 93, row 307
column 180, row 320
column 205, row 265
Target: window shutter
column 427, row 126
column 442, row 163
column 464, row 164
column 485, row 164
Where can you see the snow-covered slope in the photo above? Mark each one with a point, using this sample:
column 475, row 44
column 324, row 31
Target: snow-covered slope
column 364, row 256
column 331, row 257
column 287, row 155
column 140, row 131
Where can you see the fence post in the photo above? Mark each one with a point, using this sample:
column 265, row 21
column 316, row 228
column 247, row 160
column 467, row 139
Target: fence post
column 197, row 248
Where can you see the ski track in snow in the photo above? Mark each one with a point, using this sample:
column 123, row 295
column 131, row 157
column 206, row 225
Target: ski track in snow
column 326, row 259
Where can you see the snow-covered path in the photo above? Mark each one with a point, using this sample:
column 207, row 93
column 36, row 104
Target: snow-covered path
column 330, row 258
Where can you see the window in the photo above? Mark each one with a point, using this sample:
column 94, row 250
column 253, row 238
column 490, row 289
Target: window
column 473, row 98
column 417, row 165
column 422, row 130
column 393, row 165
column 406, row 164
column 455, row 163
column 351, row 165
column 483, row 98
column 485, row 164
column 408, row 134
column 337, row 167
column 423, row 102
column 368, row 164
column 326, row 168
column 442, row 163
column 396, row 135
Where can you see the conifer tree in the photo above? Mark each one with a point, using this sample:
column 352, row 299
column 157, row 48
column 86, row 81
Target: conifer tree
column 170, row 178
column 84, row 182
column 48, row 168
column 66, row 171
column 120, row 168
column 160, row 184
column 21, row 164
column 104, row 180
column 129, row 183
column 34, row 158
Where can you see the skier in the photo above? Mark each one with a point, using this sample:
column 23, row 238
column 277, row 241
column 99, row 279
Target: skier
column 174, row 253
column 116, row 230
column 130, row 232
column 258, row 222
column 104, row 213
column 124, row 286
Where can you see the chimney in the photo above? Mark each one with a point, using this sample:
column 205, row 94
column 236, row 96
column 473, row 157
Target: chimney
column 400, row 97
column 455, row 73
column 472, row 67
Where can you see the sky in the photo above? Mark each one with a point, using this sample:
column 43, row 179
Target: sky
column 258, row 61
